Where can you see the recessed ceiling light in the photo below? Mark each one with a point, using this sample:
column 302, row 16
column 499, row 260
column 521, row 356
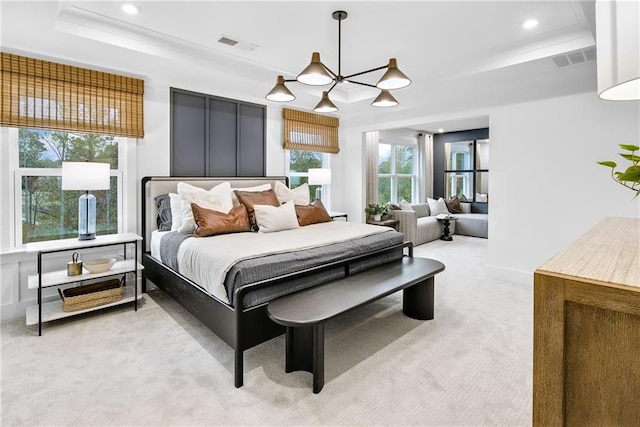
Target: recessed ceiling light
column 440, row 130
column 529, row 24
column 130, row 8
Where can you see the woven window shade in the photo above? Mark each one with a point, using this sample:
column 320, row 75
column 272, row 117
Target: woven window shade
column 46, row 95
column 310, row 132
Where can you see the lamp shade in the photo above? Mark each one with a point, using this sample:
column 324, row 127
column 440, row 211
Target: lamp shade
column 315, row 74
column 85, row 176
column 325, row 105
column 393, row 78
column 280, row 93
column 319, row 176
column 384, row 99
column 618, row 48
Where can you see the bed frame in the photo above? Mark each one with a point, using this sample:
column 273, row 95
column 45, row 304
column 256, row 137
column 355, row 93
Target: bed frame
column 241, row 328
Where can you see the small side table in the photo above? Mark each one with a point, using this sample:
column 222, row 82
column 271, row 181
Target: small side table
column 446, row 233
column 393, row 223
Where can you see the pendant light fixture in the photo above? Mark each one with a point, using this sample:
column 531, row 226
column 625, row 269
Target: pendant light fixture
column 318, row 74
column 618, row 46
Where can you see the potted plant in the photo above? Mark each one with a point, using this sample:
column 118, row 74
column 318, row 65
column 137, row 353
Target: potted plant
column 376, row 210
column 630, row 178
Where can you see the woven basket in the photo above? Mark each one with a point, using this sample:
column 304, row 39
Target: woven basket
column 92, row 295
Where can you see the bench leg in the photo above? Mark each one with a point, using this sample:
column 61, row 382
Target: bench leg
column 418, row 300
column 305, row 352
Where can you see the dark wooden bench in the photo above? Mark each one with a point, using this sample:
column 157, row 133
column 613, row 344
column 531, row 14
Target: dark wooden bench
column 304, row 313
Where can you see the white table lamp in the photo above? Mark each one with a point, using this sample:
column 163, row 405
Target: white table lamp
column 86, row 176
column 319, row 176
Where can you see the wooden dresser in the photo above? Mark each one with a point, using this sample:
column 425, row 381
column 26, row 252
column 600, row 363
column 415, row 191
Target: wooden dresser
column 586, row 330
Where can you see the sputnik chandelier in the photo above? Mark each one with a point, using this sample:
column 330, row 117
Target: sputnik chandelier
column 318, row 74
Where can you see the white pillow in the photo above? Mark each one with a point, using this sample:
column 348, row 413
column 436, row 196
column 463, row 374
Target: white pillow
column 437, row 207
column 176, row 211
column 405, row 206
column 218, row 199
column 276, row 218
column 262, row 187
column 299, row 195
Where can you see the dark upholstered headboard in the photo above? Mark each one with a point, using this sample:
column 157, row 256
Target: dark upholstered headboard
column 153, row 186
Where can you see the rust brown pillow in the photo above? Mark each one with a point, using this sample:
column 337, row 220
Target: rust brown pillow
column 312, row 214
column 453, row 205
column 210, row 222
column 251, row 198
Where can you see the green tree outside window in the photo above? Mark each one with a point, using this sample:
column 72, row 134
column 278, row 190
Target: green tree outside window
column 48, row 212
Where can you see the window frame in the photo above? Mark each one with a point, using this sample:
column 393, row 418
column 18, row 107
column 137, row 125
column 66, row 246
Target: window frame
column 473, row 171
column 326, row 163
column 16, row 174
column 394, row 176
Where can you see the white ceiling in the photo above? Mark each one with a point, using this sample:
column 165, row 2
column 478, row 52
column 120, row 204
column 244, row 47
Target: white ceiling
column 461, row 56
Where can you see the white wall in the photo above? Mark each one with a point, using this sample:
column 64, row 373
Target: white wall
column 546, row 188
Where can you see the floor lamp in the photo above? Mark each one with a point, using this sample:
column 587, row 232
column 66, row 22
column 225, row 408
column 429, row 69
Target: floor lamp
column 320, row 177
column 86, row 176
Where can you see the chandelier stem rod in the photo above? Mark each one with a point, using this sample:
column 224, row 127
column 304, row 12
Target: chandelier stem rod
column 332, row 86
column 365, row 72
column 339, row 47
column 335, row 76
column 360, row 83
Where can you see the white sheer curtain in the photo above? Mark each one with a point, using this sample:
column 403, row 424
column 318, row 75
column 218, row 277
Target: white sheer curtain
column 424, row 184
column 371, row 149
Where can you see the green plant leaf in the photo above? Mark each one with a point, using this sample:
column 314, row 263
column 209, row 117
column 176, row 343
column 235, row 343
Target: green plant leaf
column 632, row 174
column 608, row 164
column 631, row 157
column 629, row 147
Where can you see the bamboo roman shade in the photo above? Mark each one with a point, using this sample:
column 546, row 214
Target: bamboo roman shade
column 46, row 95
column 310, row 132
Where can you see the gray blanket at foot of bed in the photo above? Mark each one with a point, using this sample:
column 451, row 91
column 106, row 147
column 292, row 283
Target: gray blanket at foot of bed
column 266, row 267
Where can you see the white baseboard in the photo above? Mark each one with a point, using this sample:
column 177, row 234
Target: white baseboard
column 510, row 275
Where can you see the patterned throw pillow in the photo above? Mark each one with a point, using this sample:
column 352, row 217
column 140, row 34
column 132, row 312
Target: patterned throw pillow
column 164, row 218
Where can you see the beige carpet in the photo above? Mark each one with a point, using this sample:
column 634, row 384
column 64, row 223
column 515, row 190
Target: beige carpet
column 471, row 365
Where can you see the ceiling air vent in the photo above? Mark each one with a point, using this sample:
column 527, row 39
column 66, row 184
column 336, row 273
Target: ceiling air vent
column 230, row 41
column 576, row 57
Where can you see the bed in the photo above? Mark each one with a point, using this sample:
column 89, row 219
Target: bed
column 231, row 299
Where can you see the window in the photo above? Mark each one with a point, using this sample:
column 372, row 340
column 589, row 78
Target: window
column 308, row 139
column 45, row 212
column 467, row 170
column 64, row 113
column 396, row 172
column 299, row 164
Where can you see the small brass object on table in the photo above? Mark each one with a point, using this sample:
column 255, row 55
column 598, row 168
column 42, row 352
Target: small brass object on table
column 74, row 268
